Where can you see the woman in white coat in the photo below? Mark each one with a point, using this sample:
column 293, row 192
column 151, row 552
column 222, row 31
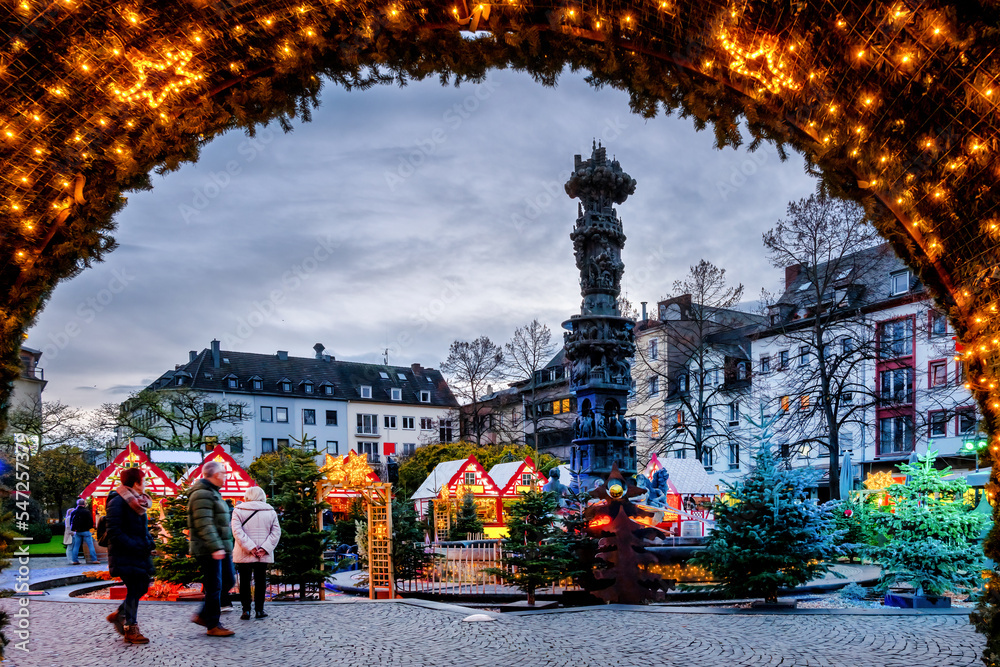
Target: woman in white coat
column 255, row 535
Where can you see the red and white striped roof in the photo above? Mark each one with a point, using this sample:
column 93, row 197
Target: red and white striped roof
column 237, row 479
column 157, row 482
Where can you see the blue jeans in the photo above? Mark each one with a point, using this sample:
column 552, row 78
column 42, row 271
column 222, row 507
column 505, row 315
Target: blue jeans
column 81, row 537
column 136, row 585
column 217, row 576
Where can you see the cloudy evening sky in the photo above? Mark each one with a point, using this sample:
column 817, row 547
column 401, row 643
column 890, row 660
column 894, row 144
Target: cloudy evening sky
column 401, row 219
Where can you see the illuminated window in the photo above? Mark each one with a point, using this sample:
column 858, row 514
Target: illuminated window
column 786, row 403
column 565, row 405
column 470, row 478
column 804, row 403
column 655, row 427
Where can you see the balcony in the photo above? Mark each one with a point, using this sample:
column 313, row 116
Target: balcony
column 367, row 433
column 32, row 373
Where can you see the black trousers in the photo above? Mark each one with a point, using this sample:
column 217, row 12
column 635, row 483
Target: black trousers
column 259, row 573
column 135, row 587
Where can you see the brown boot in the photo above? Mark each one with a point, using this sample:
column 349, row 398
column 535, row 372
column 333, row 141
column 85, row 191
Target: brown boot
column 133, row 636
column 118, row 619
column 219, row 631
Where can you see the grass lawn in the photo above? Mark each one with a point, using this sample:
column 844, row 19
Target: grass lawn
column 53, row 548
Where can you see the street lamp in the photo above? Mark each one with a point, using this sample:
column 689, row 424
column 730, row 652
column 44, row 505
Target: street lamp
column 973, row 446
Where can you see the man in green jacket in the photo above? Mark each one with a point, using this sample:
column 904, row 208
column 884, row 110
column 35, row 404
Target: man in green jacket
column 211, row 543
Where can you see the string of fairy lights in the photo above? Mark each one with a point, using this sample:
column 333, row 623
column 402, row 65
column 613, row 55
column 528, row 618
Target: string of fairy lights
column 128, row 71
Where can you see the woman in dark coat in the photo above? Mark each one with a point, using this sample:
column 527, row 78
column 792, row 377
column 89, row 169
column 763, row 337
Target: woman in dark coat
column 130, row 548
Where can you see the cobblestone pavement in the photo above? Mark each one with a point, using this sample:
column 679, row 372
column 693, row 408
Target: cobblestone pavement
column 364, row 634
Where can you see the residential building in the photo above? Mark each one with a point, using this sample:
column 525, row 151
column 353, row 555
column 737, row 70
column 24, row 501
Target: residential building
column 337, row 406
column 26, row 393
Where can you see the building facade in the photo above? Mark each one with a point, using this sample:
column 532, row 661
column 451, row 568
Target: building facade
column 334, row 406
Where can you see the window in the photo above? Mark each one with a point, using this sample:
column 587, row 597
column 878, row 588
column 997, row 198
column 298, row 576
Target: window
column 654, row 427
column 654, row 386
column 846, row 345
column 959, row 372
column 383, row 375
column 332, row 447
column 706, row 459
column 331, row 417
column 281, row 415
column 367, row 424
column 282, row 442
column 308, row 387
column 366, row 392
column 369, row 449
column 804, row 403
column 266, row 414
column 396, row 394
column 425, row 396
column 527, row 479
column 966, row 421
column 786, row 450
column 403, row 378
column 899, row 282
column 734, row 455
column 937, row 372
column 706, row 418
column 803, row 355
column 846, row 441
column 328, row 390
column 258, row 384
column 408, row 423
column 734, row 413
column 310, row 444
column 895, row 435
column 631, row 428
column 445, row 430
column 742, row 371
column 469, row 478
column 286, row 385
column 786, row 403
column 235, row 411
column 783, row 360
column 938, row 424
column 409, row 448
column 679, row 420
column 938, row 323
column 805, row 450
column 211, row 410
column 309, row 417
column 654, row 349
column 765, row 363
column 426, row 424
column 896, row 338
column 266, row 445
column 236, row 444
column 389, row 421
column 847, row 398
column 897, row 385
column 681, row 453
column 231, row 383
column 682, row 383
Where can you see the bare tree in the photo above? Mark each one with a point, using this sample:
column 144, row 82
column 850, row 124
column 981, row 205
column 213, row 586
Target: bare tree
column 831, row 256
column 473, row 367
column 697, row 356
column 175, row 418
column 528, row 351
column 47, row 424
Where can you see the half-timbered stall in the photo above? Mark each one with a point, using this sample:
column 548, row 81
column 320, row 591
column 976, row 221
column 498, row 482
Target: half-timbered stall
column 158, row 484
column 446, row 487
column 513, row 479
column 238, row 480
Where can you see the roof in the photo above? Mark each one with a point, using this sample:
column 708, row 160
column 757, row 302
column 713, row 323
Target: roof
column 157, row 482
column 439, row 478
column 502, row 472
column 347, row 377
column 237, row 479
column 689, row 477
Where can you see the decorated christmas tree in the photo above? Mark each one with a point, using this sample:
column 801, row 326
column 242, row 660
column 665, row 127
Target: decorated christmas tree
column 768, row 533
column 532, row 555
column 932, row 535
column 467, row 522
column 299, row 558
column 623, row 578
column 173, row 563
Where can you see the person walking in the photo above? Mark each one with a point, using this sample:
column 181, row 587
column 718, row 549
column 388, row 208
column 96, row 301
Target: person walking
column 256, row 532
column 81, row 523
column 68, row 535
column 130, row 549
column 211, row 543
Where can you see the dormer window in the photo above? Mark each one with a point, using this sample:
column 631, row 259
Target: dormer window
column 180, row 380
column 425, row 396
column 682, row 383
column 257, row 383
column 232, row 382
column 285, row 384
column 401, row 376
column 307, row 387
column 396, row 394
column 383, row 375
column 899, row 282
column 366, row 392
column 327, row 389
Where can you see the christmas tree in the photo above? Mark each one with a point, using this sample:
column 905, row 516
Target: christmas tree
column 299, row 557
column 467, row 522
column 409, row 557
column 532, row 555
column 173, row 563
column 622, row 543
column 932, row 534
column 768, row 533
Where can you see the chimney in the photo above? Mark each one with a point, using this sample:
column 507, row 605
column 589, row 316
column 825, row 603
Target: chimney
column 644, row 311
column 192, row 355
column 417, row 368
column 792, row 273
column 216, row 354
column 319, row 347
column 282, row 355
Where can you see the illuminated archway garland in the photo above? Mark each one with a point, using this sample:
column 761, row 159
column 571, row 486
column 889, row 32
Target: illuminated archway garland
column 893, row 104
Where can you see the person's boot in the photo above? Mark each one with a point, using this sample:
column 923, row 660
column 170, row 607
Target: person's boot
column 219, row 631
column 118, row 619
column 133, row 636
column 261, row 614
column 245, row 616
